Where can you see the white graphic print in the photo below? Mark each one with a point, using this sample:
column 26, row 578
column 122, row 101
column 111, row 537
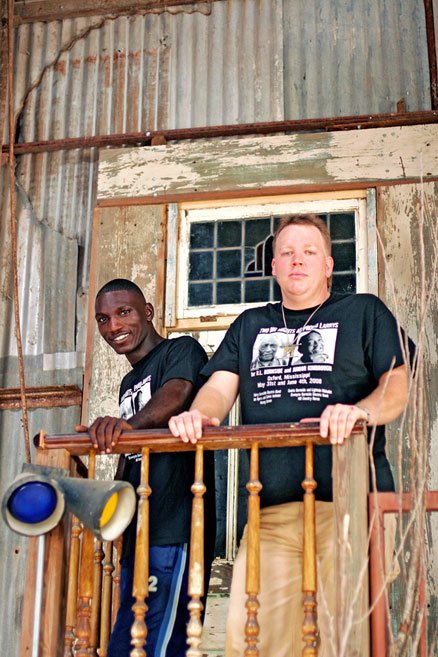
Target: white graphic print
column 133, row 401
column 291, row 363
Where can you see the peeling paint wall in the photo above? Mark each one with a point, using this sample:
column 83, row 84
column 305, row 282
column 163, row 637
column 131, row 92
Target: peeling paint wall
column 408, row 223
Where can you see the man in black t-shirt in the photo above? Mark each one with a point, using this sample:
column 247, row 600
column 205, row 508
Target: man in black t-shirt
column 162, row 382
column 352, row 370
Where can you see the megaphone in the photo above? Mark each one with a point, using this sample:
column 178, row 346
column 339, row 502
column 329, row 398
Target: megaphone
column 36, row 500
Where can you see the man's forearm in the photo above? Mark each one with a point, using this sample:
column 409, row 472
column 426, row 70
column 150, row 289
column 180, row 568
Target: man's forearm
column 389, row 399
column 212, row 402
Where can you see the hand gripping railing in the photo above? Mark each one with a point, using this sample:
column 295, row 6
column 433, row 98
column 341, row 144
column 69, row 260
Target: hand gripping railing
column 92, row 588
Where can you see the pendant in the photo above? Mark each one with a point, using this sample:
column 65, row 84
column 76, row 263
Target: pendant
column 289, row 350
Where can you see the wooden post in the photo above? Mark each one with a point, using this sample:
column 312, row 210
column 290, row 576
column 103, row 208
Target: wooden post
column 141, row 568
column 97, row 596
column 196, row 570
column 53, row 603
column 350, row 489
column 105, row 612
column 116, row 579
column 83, row 626
column 310, row 626
column 254, row 487
column 72, row 590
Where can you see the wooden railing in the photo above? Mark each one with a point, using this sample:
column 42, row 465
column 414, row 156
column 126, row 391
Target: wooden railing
column 81, row 614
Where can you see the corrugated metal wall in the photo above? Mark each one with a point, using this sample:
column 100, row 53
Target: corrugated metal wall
column 245, row 61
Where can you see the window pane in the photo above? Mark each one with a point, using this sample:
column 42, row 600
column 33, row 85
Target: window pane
column 202, row 235
column 229, row 233
column 276, row 291
column 200, row 294
column 256, row 291
column 344, row 283
column 342, row 226
column 344, row 255
column 228, row 292
column 256, row 231
column 229, row 264
column 201, row 265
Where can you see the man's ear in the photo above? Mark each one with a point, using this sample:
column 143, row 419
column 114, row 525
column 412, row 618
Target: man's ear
column 149, row 311
column 329, row 264
column 273, row 266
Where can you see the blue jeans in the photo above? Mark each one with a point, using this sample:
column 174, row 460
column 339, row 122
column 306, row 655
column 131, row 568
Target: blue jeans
column 167, row 615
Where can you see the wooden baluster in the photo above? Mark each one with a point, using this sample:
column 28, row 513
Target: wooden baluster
column 97, row 596
column 254, row 487
column 72, row 587
column 116, row 579
column 310, row 627
column 83, row 628
column 105, row 618
column 141, row 568
column 196, row 571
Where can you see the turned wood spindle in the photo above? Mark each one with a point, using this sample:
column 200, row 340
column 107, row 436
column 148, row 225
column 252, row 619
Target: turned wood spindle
column 196, row 571
column 141, row 568
column 117, row 546
column 83, row 627
column 254, row 487
column 72, row 587
column 97, row 595
column 310, row 626
column 105, row 612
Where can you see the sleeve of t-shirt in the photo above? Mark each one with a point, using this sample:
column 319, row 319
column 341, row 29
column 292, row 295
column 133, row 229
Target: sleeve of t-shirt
column 184, row 360
column 385, row 347
column 227, row 355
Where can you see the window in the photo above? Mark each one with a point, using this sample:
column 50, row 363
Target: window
column 225, row 252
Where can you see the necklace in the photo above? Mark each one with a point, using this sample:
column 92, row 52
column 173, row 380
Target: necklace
column 291, row 348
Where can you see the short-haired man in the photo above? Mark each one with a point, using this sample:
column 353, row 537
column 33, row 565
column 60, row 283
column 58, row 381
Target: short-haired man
column 162, row 382
column 363, row 378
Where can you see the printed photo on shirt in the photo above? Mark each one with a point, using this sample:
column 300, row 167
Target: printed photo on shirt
column 314, row 346
column 268, row 351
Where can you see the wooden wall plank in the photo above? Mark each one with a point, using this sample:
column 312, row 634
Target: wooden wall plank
column 313, row 159
column 128, row 242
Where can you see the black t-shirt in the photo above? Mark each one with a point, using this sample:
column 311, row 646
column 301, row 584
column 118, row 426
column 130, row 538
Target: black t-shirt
column 337, row 358
column 170, row 475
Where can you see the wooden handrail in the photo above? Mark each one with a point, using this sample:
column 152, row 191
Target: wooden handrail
column 161, row 440
column 350, row 468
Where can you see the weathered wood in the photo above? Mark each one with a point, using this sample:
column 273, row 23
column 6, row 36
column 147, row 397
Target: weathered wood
column 350, row 490
column 105, row 615
column 117, row 252
column 140, row 589
column 83, row 626
column 53, row 605
column 97, row 597
column 41, row 397
column 323, row 160
column 116, row 580
column 252, row 628
column 161, row 440
column 72, row 587
column 310, row 626
column 196, row 570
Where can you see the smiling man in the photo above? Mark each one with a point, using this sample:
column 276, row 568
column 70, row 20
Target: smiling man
column 351, row 368
column 162, row 382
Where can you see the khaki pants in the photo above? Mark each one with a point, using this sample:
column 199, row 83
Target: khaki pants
column 280, row 615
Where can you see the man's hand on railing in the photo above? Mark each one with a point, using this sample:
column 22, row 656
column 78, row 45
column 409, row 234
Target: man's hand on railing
column 188, row 426
column 105, row 432
column 337, row 421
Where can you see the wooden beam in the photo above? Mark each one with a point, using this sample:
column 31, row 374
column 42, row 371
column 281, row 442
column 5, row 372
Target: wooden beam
column 350, row 498
column 53, row 599
column 282, row 162
column 41, row 397
column 29, row 11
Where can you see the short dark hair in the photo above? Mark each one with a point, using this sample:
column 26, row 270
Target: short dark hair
column 118, row 284
column 303, row 220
